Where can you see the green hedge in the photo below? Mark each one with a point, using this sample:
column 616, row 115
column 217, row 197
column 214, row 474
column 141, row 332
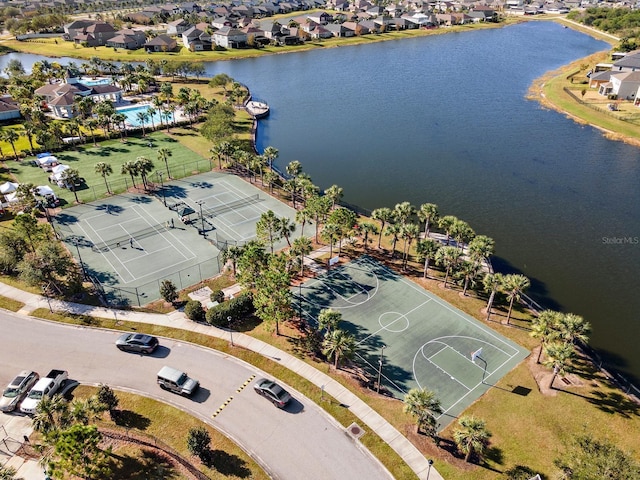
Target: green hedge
column 238, row 307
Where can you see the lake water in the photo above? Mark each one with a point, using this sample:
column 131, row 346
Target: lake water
column 443, row 119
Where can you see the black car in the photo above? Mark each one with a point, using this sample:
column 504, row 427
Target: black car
column 137, row 342
column 273, row 392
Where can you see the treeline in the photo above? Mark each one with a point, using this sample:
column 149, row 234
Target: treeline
column 622, row 22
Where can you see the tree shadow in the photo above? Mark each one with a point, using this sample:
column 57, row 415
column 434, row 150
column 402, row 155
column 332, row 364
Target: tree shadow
column 226, row 464
column 130, row 419
column 614, row 402
column 149, row 464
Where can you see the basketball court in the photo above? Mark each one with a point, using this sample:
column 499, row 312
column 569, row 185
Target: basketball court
column 422, row 340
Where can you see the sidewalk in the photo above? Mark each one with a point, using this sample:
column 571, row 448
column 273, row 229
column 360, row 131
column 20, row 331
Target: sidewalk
column 405, row 449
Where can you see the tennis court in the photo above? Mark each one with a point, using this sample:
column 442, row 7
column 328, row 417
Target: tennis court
column 130, row 243
column 425, row 342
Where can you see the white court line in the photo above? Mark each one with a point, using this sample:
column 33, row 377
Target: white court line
column 151, row 253
column 443, row 304
column 162, row 234
column 405, row 314
column 428, row 359
column 113, row 267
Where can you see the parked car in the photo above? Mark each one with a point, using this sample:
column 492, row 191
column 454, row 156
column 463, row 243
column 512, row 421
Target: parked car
column 17, row 390
column 45, row 387
column 137, row 342
column 272, row 392
column 176, row 381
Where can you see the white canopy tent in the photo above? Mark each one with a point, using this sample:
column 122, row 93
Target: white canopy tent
column 8, row 187
column 59, row 169
column 49, row 160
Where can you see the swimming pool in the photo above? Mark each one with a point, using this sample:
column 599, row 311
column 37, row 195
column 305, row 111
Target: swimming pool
column 132, row 115
column 90, row 82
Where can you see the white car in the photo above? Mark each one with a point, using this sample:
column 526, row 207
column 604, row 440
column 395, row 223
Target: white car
column 17, row 389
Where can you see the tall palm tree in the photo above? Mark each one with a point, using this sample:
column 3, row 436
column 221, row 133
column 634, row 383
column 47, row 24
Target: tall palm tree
column 104, row 169
column 403, row 211
column 71, row 177
column 425, row 406
column 271, row 178
column 29, row 132
column 367, row 229
column 119, row 119
column 294, row 168
column 291, row 186
column 144, row 166
column 303, row 217
column 446, row 223
column 471, row 436
column 270, row 153
column 285, row 228
column 130, row 168
column 334, row 192
column 338, row 345
column 163, row 154
column 492, row 283
column 92, row 124
column 448, row 257
column 331, row 233
column 410, row 232
column 428, row 212
column 427, row 250
column 142, row 118
column 468, row 271
column 559, row 356
column 481, row 248
column 461, row 232
column 301, row 247
column 514, row 286
column 383, row 215
column 11, row 136
column 544, row 327
column 393, row 230
column 328, row 320
column 51, row 414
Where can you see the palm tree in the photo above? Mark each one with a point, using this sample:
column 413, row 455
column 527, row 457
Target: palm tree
column 331, row 233
column 514, row 286
column 446, row 223
column 558, row 357
column 328, row 320
column 270, row 178
column 472, row 436
column 492, row 283
column 285, row 228
column 334, row 192
column 51, row 414
column 545, row 328
column 403, row 211
column 573, row 329
column 291, row 186
column 130, row 168
column 142, row 118
column 92, row 124
column 71, row 177
column 338, row 344
column 29, row 132
column 163, row 154
column 11, row 136
column 144, row 166
column 104, row 170
column 427, row 250
column 423, row 405
column 303, row 217
column 367, row 229
column 294, row 168
column 468, row 271
column 481, row 248
column 301, row 247
column 383, row 215
column 448, row 257
column 119, row 120
column 462, row 232
column 394, row 231
column 409, row 232
column 428, row 213
column 270, row 153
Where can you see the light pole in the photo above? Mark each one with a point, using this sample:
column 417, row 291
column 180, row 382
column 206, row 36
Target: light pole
column 44, row 292
column 164, row 199
column 430, row 462
column 84, row 272
column 200, row 202
column 380, row 368
column 230, row 331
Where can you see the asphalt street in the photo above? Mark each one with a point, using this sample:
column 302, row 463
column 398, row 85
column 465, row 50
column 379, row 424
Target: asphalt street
column 300, row 441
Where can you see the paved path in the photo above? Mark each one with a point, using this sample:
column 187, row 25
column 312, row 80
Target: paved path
column 405, row 449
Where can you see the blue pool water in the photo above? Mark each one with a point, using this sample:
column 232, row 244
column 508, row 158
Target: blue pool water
column 132, row 115
column 90, row 82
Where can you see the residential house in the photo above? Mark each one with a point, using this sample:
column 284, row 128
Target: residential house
column 178, row 27
column 161, row 43
column 196, row 40
column 60, row 97
column 624, row 85
column 9, row 108
column 71, row 30
column 357, row 28
column 321, row 18
column 128, row 39
column 95, row 35
column 229, row 37
column 255, row 36
column 141, row 18
column 598, row 78
column 339, row 30
column 629, row 63
column 220, row 22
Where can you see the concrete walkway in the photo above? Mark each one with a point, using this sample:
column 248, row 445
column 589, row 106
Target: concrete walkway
column 405, row 449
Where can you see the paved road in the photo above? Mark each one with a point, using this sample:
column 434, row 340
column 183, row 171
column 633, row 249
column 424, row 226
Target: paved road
column 301, row 441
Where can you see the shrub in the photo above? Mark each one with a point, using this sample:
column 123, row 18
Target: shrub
column 217, row 296
column 198, row 441
column 168, row 291
column 238, row 307
column 194, row 311
column 107, row 397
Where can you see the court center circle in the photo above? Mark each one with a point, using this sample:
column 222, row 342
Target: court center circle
column 393, row 322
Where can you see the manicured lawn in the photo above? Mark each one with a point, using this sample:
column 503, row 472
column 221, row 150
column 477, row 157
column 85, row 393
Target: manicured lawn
column 22, row 144
column 10, row 304
column 159, row 421
column 115, row 153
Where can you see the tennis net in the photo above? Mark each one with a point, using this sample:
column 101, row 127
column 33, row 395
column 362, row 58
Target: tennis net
column 125, row 240
column 227, row 207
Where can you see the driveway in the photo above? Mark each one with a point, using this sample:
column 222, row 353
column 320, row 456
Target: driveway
column 301, row 441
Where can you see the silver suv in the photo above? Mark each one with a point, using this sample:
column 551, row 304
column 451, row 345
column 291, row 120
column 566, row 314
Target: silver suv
column 17, row 390
column 176, row 381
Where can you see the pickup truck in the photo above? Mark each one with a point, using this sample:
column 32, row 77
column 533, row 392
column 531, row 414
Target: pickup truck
column 46, row 386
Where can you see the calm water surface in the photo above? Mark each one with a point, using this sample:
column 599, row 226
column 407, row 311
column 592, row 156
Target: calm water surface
column 443, row 119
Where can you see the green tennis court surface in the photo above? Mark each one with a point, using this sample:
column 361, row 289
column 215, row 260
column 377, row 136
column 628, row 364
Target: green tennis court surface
column 130, row 243
column 427, row 342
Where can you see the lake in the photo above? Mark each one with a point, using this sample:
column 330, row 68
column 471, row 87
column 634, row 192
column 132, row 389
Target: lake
column 444, row 119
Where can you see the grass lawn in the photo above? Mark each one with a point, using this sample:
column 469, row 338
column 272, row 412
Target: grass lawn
column 159, row 421
column 10, row 304
column 116, row 153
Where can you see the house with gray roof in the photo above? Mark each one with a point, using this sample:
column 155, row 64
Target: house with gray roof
column 60, row 98
column 161, row 43
column 196, row 40
column 624, row 85
column 128, row 39
column 9, row 108
column 229, row 37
